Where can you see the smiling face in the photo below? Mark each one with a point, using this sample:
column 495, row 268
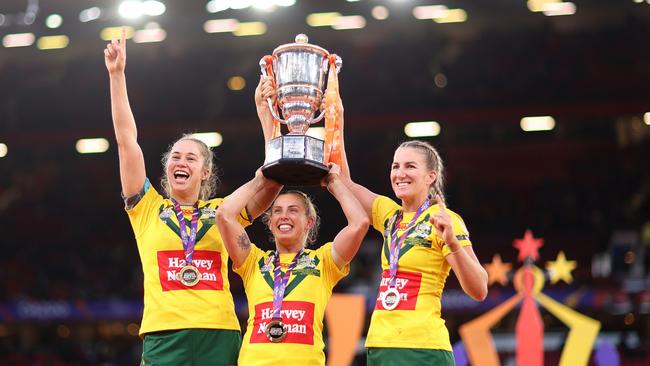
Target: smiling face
column 186, row 170
column 410, row 176
column 289, row 222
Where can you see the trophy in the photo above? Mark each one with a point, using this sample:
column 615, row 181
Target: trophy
column 299, row 70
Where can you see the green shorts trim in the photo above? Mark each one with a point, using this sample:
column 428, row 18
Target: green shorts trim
column 189, row 347
column 409, row 356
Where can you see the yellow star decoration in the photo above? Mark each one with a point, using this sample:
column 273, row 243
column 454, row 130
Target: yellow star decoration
column 497, row 271
column 560, row 269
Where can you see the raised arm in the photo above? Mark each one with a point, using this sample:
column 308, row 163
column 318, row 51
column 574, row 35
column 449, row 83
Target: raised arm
column 362, row 194
column 232, row 232
column 471, row 275
column 347, row 241
column 132, row 170
column 262, row 199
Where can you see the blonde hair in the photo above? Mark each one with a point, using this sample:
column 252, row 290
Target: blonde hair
column 434, row 162
column 310, row 211
column 208, row 186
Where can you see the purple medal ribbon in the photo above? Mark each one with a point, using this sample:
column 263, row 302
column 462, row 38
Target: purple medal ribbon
column 280, row 282
column 188, row 240
column 396, row 243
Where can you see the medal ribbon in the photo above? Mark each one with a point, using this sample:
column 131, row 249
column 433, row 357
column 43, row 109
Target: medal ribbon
column 280, row 282
column 396, row 243
column 188, row 240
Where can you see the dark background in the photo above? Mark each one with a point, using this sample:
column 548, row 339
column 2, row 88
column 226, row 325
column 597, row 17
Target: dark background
column 70, row 278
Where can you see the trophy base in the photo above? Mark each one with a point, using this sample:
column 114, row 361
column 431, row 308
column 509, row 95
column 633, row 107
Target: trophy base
column 295, row 172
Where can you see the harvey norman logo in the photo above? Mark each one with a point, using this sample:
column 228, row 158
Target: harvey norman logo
column 298, row 319
column 208, row 263
column 408, row 286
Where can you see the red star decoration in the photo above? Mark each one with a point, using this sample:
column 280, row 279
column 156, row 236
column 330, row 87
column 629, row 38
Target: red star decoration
column 528, row 246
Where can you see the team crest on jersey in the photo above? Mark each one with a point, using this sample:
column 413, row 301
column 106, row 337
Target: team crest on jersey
column 306, row 265
column 422, row 230
column 208, row 213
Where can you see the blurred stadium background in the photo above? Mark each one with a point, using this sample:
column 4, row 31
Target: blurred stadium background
column 70, row 278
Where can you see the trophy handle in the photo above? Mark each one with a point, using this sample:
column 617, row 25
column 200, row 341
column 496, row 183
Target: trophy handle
column 266, row 66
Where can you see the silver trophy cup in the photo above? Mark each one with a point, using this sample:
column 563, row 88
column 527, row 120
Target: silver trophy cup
column 299, row 70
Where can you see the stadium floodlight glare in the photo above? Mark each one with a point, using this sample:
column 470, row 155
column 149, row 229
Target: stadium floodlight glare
column 18, row 40
column 646, row 118
column 149, row 35
column 240, row 4
column 557, row 9
column 322, row 19
column 2, row 19
column 215, row 6
column 285, row 3
column 3, row 150
column 422, row 129
column 52, row 42
column 429, row 12
column 153, row 8
column 267, row 5
column 53, row 21
column 380, row 12
column 130, row 9
column 537, row 123
column 236, row 83
column 220, row 25
column 349, row 22
column 250, row 29
column 317, row 132
column 110, row 33
column 538, row 6
column 452, row 16
column 92, row 145
column 89, row 14
column 212, row 139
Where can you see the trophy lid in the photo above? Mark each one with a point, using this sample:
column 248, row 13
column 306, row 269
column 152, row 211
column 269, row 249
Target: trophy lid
column 301, row 42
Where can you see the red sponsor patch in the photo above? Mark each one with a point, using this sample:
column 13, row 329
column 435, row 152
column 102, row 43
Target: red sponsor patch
column 298, row 319
column 408, row 286
column 208, row 263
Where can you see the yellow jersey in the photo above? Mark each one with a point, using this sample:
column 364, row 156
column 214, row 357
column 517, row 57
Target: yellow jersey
column 169, row 304
column 308, row 290
column 421, row 274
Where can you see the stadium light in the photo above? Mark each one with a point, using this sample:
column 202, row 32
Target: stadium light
column 52, row 42
column 53, row 21
column 349, row 22
column 18, row 40
column 646, row 118
column 215, row 6
column 556, row 9
column 212, row 139
column 322, row 19
column 130, row 9
column 236, row 83
column 380, row 12
column 92, row 145
column 250, row 29
column 220, row 25
column 422, row 129
column 110, row 33
column 153, row 8
column 538, row 123
column 89, row 14
column 3, row 150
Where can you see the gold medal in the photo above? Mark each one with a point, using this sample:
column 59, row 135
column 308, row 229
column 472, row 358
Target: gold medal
column 275, row 331
column 189, row 275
